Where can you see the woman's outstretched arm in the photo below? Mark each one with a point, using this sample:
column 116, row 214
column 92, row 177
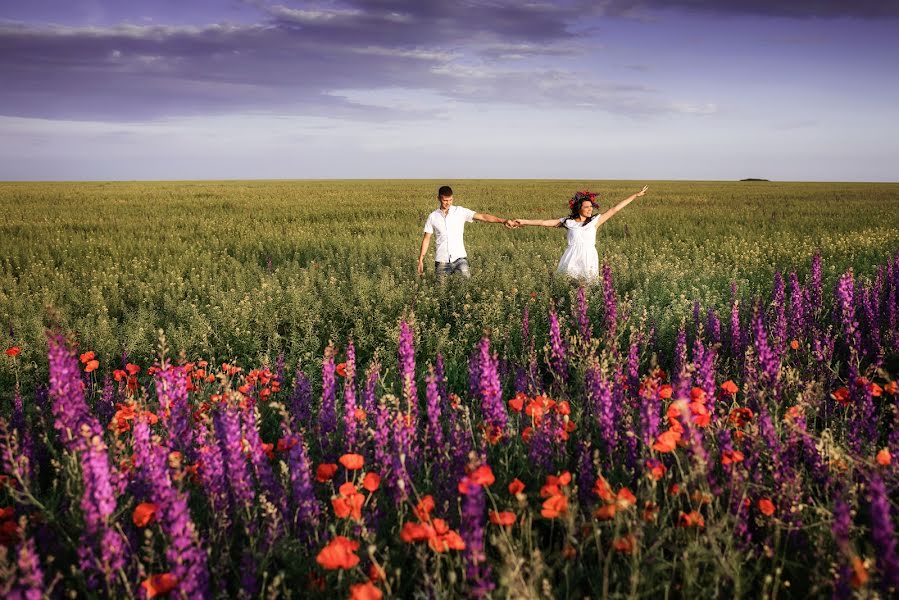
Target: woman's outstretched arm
column 612, row 211
column 538, row 222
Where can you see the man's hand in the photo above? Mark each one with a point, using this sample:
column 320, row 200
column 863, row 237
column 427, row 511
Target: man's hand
column 421, row 267
column 511, row 224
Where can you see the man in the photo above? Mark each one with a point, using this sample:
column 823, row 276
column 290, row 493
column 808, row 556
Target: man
column 448, row 222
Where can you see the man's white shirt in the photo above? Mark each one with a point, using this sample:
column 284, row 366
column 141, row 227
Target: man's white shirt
column 448, row 232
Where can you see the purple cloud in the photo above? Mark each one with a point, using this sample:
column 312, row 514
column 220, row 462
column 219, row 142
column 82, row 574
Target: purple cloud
column 296, row 60
column 799, row 9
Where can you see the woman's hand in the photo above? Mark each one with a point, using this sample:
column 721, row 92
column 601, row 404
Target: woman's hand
column 642, row 192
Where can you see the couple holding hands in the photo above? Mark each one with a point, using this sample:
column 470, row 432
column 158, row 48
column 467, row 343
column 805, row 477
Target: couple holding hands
column 580, row 259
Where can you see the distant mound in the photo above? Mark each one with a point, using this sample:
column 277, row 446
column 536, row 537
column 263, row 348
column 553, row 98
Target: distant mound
column 754, row 179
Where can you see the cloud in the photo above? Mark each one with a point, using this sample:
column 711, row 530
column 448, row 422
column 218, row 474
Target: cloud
column 799, row 9
column 296, row 58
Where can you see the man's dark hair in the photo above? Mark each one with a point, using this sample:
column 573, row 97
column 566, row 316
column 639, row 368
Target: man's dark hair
column 445, row 191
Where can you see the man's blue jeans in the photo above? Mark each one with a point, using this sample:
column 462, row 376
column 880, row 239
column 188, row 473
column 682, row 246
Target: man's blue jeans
column 458, row 266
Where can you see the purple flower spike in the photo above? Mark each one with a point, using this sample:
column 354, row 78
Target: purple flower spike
column 171, row 390
column 884, row 538
column 490, row 391
column 434, row 407
column 185, row 553
column 768, row 360
column 70, row 410
column 301, row 401
column 349, row 399
column 227, row 429
column 558, row 354
column 30, row 582
column 477, row 570
column 327, row 415
column 407, row 370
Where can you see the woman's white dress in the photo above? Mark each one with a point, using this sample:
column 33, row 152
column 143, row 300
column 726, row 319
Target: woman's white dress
column 580, row 259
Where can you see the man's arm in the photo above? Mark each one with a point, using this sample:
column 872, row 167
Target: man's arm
column 425, row 242
column 491, row 219
column 539, row 222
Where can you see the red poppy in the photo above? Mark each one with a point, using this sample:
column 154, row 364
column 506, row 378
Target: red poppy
column 766, row 506
column 365, row 591
column 502, row 518
column 701, row 416
column 144, row 514
column 891, row 388
column 483, row 475
column 284, row 444
column 554, row 506
column 325, row 472
column 339, row 554
column 729, row 387
column 132, row 369
column 87, row 356
column 731, row 456
column 348, row 505
column 352, row 462
column 7, row 512
column 625, row 544
column 371, row 481
column 341, row 369
column 424, row 508
column 665, row 392
column 606, row 512
column 601, row 488
column 884, row 457
column 91, row 366
column 13, row 351
column 416, row 532
column 159, row 585
column 859, row 572
column 448, row 541
column 691, row 519
column 841, row 395
column 517, row 403
column 625, row 499
column 741, row 416
column 656, row 469
column 794, row 344
column 666, row 442
column 516, row 487
column 269, row 450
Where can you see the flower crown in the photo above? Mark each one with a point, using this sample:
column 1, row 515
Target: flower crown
column 582, row 195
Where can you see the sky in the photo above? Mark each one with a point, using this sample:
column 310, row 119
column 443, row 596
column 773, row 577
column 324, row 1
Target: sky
column 609, row 89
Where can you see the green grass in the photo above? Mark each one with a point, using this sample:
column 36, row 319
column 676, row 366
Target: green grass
column 250, row 269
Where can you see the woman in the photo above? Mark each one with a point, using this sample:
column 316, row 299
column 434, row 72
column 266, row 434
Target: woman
column 580, row 259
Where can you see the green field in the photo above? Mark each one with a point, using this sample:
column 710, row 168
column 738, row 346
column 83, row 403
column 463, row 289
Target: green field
column 251, row 269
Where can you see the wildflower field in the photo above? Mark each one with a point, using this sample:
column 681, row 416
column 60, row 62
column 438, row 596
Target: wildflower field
column 241, row 389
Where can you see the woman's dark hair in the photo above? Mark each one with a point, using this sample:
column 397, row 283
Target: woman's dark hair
column 445, row 191
column 576, row 211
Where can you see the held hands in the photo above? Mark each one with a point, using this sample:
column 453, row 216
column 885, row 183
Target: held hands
column 511, row 224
